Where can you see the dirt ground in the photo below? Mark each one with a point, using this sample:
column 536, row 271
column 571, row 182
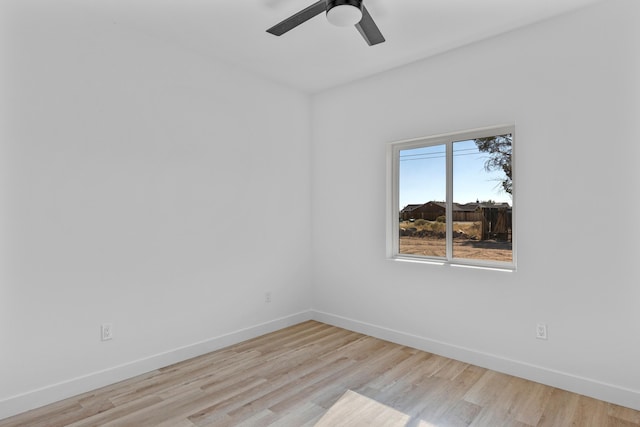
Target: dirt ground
column 462, row 248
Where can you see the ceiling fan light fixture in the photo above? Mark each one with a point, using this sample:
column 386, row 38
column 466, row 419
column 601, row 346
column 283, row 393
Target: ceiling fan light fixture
column 339, row 12
column 344, row 13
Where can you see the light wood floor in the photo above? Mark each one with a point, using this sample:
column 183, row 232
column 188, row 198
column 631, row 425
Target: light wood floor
column 293, row 376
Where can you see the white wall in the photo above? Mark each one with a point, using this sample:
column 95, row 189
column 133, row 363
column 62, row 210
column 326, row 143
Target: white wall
column 146, row 186
column 571, row 87
column 142, row 185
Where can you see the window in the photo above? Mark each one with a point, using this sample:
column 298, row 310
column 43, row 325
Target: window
column 451, row 198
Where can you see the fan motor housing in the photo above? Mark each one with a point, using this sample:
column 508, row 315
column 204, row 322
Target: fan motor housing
column 343, row 13
column 333, row 3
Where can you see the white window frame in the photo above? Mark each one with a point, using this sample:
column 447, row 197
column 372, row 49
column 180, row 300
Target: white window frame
column 393, row 197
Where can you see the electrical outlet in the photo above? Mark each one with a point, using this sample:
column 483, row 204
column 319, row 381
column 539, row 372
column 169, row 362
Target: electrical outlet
column 267, row 297
column 106, row 331
column 541, row 331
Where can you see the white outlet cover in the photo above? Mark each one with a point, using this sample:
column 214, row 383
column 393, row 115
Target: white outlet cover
column 541, row 331
column 106, row 331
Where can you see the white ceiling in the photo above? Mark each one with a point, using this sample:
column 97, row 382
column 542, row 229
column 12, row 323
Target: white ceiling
column 317, row 55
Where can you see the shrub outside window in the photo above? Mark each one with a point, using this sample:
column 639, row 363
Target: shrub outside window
column 451, row 198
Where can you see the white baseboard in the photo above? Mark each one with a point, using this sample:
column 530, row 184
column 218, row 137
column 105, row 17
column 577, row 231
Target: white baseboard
column 562, row 380
column 52, row 393
column 72, row 387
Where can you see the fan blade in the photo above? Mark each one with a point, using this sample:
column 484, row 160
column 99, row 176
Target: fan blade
column 369, row 29
column 297, row 19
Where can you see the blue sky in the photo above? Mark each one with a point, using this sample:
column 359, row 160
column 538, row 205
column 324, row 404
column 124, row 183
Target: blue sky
column 422, row 175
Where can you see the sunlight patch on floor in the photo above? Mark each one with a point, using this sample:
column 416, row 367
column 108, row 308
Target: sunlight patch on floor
column 356, row 410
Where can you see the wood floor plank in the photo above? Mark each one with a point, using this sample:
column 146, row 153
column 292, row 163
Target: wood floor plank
column 400, row 371
column 510, row 405
column 266, row 391
column 591, row 413
column 443, row 394
column 117, row 412
column 305, row 415
column 165, row 411
column 617, row 422
column 293, row 376
column 530, row 400
column 561, row 409
column 623, row 413
column 358, row 378
column 451, row 369
column 488, row 388
column 461, row 414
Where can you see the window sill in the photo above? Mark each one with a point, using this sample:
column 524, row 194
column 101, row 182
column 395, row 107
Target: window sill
column 508, row 268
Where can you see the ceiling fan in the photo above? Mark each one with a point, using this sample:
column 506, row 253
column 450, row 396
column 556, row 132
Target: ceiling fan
column 342, row 13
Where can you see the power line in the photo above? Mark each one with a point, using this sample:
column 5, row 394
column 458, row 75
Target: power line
column 429, row 157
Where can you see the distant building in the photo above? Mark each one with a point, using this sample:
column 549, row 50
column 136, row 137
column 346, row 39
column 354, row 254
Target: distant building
column 496, row 218
column 406, row 212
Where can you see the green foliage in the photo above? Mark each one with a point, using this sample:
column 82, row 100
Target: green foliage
column 499, row 148
column 441, row 218
column 420, row 222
